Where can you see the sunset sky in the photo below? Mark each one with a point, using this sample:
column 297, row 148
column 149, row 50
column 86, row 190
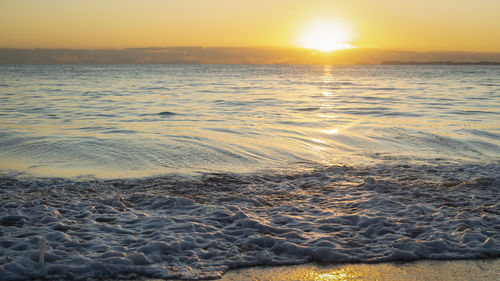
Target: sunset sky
column 424, row 25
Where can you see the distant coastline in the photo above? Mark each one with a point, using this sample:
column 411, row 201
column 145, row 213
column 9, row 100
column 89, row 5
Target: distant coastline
column 242, row 55
column 440, row 63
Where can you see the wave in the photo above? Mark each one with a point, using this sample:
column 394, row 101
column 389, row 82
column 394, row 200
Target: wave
column 198, row 227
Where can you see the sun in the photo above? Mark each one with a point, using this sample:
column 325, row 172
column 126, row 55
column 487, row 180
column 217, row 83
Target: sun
column 325, row 35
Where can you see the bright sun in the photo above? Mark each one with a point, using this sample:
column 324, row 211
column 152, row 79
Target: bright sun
column 325, row 35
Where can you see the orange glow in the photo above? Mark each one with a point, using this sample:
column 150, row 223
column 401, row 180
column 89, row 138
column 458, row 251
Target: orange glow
column 425, row 25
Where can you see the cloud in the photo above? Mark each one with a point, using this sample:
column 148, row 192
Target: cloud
column 232, row 55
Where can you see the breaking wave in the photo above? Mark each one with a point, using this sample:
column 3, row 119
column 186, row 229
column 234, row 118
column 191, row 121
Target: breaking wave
column 198, row 227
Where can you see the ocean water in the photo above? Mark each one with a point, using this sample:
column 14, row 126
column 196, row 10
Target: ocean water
column 186, row 171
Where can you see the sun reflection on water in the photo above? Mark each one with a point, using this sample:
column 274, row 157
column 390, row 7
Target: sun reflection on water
column 327, row 74
column 318, row 140
column 331, row 132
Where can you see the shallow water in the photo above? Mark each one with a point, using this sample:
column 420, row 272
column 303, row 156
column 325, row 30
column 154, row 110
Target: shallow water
column 186, row 171
column 117, row 121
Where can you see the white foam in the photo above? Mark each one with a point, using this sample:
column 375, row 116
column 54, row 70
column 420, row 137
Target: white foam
column 199, row 228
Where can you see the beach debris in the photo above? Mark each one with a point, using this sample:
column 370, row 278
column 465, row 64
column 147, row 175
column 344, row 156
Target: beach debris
column 42, row 244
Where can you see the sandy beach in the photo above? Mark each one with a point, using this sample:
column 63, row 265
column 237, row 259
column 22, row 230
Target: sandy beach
column 488, row 269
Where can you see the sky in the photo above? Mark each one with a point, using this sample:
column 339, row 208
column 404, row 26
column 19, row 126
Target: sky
column 424, row 25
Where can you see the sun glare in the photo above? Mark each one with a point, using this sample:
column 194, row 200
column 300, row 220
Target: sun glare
column 325, row 35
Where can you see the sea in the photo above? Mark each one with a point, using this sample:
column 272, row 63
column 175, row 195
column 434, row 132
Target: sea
column 187, row 171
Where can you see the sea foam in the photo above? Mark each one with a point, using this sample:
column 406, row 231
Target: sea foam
column 199, row 227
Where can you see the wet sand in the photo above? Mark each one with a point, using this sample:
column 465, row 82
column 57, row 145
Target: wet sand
column 421, row 270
